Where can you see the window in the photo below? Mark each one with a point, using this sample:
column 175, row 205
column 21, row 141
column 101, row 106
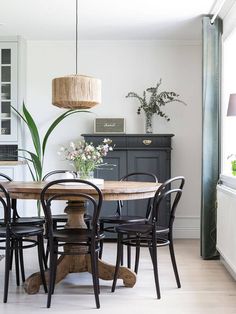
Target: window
column 228, row 127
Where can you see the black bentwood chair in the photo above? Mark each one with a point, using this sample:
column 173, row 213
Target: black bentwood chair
column 59, row 220
column 72, row 237
column 119, row 218
column 16, row 219
column 16, row 238
column 150, row 234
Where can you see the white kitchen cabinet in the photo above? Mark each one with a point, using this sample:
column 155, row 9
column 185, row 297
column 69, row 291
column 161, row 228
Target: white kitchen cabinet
column 8, row 91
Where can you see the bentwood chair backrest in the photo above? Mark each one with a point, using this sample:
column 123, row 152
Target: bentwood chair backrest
column 13, row 201
column 89, row 192
column 55, row 174
column 5, row 205
column 172, row 187
column 139, row 177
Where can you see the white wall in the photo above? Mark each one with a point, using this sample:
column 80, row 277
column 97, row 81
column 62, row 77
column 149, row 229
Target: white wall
column 125, row 66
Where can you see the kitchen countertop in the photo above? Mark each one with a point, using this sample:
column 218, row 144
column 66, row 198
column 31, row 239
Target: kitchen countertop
column 12, row 162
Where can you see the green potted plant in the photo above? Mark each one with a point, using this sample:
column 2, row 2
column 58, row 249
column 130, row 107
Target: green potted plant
column 232, row 158
column 152, row 102
column 35, row 158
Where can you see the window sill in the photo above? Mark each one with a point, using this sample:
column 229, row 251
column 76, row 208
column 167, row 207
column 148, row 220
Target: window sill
column 228, row 180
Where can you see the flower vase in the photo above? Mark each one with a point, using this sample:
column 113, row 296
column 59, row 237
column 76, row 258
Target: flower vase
column 148, row 122
column 85, row 175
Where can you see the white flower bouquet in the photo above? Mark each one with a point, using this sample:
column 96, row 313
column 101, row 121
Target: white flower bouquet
column 85, row 157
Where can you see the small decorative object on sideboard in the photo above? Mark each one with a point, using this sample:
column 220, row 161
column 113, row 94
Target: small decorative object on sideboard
column 85, row 157
column 109, row 125
column 152, row 105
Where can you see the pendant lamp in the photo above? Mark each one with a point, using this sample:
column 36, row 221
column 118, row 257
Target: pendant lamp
column 76, row 91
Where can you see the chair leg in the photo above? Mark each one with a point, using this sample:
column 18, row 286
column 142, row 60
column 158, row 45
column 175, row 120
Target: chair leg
column 118, row 260
column 137, row 255
column 153, row 253
column 121, row 254
column 173, row 260
column 96, row 260
column 11, row 256
column 101, row 248
column 101, row 241
column 55, row 256
column 8, row 255
column 16, row 251
column 46, row 255
column 40, row 258
column 94, row 273
column 21, row 260
column 128, row 256
column 52, row 265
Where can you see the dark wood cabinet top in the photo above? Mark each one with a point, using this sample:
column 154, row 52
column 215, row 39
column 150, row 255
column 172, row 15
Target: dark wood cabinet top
column 127, row 135
column 133, row 141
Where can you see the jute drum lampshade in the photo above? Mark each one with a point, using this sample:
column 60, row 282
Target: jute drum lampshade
column 76, row 91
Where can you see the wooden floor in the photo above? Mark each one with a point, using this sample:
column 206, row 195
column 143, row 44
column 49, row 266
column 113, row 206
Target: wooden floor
column 207, row 288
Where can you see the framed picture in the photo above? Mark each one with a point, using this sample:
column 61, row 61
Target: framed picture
column 109, row 125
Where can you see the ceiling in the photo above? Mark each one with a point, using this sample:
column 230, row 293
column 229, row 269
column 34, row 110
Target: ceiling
column 104, row 19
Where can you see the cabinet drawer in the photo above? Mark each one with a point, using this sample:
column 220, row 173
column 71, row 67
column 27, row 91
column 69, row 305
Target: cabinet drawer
column 147, row 141
column 117, row 141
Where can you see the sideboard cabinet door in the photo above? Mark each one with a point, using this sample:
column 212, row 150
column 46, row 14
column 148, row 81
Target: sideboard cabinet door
column 153, row 161
column 114, row 168
column 136, row 153
column 115, row 171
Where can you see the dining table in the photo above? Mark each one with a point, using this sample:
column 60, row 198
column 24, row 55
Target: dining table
column 75, row 210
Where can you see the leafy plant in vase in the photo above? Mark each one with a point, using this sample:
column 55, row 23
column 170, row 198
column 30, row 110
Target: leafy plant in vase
column 85, row 157
column 152, row 102
column 35, row 158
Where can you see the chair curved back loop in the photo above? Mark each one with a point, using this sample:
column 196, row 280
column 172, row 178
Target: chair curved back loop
column 15, row 214
column 96, row 201
column 6, row 204
column 165, row 191
column 152, row 178
column 60, row 171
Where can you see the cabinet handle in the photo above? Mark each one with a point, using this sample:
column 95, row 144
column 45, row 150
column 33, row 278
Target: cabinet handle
column 147, row 142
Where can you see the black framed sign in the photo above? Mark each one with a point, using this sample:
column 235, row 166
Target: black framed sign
column 109, row 125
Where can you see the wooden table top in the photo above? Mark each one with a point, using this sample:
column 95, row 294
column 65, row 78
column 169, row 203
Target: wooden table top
column 112, row 190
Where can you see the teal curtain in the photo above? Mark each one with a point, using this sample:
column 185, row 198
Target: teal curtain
column 210, row 133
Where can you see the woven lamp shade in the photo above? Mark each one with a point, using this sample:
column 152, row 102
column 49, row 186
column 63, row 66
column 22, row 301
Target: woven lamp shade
column 76, row 92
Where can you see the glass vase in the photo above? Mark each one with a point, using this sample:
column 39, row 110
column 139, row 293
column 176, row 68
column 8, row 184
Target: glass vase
column 85, row 175
column 148, row 122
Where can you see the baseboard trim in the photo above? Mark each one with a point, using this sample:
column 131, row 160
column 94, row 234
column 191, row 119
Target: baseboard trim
column 228, row 267
column 187, row 227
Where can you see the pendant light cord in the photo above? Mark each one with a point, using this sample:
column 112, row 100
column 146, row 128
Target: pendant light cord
column 76, row 36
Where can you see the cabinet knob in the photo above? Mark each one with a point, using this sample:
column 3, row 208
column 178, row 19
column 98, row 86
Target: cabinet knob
column 147, row 142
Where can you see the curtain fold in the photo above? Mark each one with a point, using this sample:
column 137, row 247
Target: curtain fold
column 212, row 34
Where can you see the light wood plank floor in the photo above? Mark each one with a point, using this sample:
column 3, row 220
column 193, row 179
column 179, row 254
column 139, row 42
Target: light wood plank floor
column 207, row 288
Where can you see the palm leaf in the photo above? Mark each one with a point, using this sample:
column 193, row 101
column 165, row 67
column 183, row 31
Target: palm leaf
column 27, row 162
column 19, row 114
column 33, row 130
column 56, row 122
column 31, row 172
column 36, row 163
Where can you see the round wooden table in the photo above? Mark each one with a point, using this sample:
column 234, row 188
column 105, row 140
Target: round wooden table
column 112, row 191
